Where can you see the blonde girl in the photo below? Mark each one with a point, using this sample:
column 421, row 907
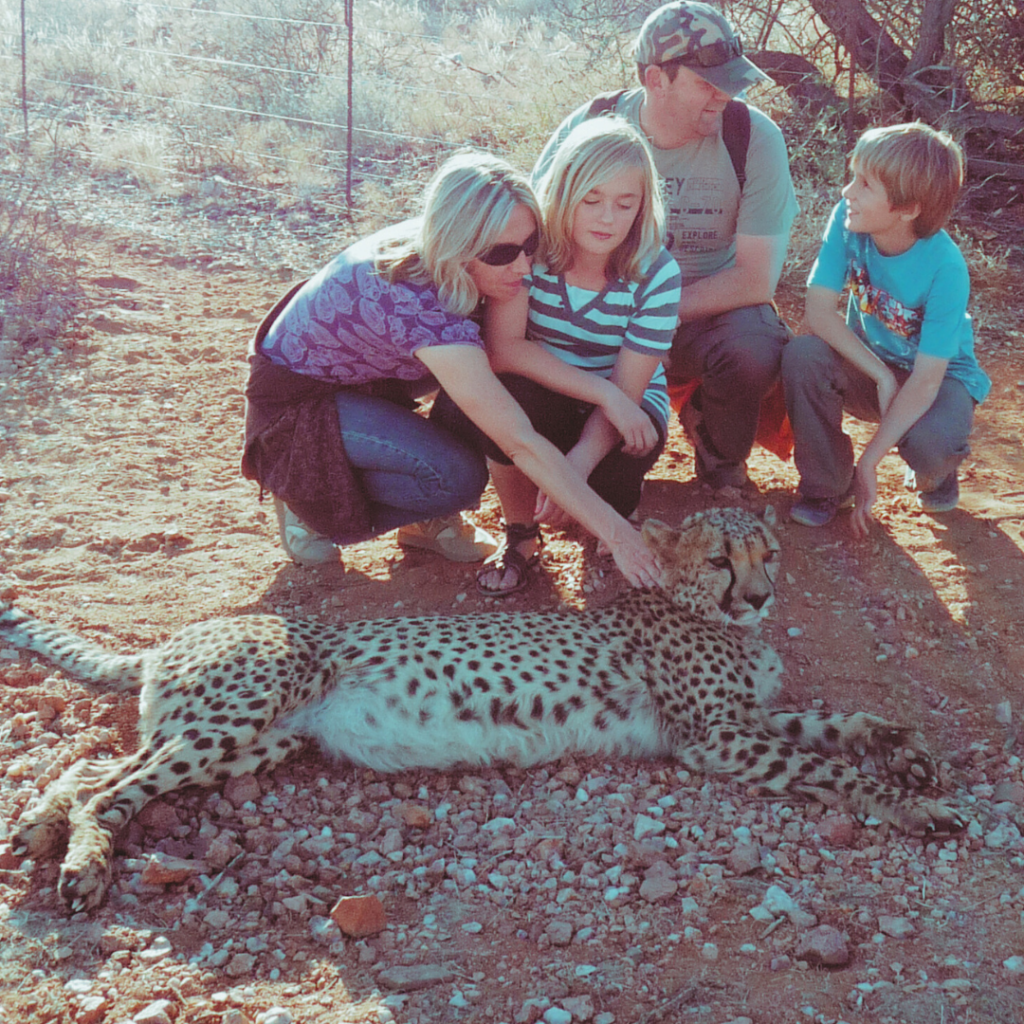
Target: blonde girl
column 582, row 351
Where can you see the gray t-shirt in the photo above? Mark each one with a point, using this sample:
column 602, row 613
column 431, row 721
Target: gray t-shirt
column 705, row 210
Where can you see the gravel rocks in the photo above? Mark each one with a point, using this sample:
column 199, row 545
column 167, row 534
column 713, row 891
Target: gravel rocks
column 438, row 892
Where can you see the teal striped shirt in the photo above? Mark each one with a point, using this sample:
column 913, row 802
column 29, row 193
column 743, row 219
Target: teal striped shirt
column 588, row 329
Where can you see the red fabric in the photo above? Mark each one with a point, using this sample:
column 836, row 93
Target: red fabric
column 773, row 428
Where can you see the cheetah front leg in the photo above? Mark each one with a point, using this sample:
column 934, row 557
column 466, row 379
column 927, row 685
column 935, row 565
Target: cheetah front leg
column 96, row 821
column 780, row 767
column 901, row 749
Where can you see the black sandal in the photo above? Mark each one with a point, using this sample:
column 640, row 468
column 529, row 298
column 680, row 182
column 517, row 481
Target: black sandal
column 508, row 558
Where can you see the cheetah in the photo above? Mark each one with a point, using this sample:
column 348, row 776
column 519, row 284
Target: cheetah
column 678, row 672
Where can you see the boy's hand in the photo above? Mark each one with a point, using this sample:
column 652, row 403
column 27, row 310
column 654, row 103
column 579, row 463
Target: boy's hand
column 865, row 493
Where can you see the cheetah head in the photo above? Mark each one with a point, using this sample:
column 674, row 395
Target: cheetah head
column 720, row 564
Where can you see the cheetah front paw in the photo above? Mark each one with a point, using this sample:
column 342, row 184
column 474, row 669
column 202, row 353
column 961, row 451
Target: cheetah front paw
column 84, row 880
column 910, row 763
column 920, row 817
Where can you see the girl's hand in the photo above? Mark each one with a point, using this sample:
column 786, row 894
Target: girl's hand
column 547, row 512
column 639, row 435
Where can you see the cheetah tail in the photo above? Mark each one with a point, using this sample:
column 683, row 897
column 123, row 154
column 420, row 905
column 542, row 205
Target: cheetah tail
column 86, row 661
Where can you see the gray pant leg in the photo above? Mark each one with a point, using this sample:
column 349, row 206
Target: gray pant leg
column 814, row 380
column 939, row 441
column 819, row 385
column 736, row 355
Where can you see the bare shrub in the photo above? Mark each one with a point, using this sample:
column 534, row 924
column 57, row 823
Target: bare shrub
column 39, row 292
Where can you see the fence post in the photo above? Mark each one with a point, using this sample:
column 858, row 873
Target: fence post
column 24, row 73
column 349, row 22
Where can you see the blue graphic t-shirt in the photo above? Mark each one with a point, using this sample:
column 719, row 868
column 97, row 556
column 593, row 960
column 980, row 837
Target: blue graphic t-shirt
column 905, row 304
column 352, row 326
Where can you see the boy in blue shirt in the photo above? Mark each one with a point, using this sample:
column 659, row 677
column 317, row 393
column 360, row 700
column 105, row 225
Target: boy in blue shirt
column 903, row 357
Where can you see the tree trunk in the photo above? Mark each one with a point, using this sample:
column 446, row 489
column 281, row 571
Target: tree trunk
column 866, row 41
column 931, row 44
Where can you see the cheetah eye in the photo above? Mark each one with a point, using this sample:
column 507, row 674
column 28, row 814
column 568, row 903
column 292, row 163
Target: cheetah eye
column 721, row 562
column 769, row 556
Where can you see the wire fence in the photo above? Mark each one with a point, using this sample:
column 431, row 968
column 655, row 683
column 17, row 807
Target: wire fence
column 320, row 106
column 267, row 133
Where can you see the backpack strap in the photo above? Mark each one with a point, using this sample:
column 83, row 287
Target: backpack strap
column 735, row 128
column 736, row 136
column 605, row 103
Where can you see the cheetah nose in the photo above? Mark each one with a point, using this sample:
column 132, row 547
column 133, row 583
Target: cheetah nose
column 756, row 601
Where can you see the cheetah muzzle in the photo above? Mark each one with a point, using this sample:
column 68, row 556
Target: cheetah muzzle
column 677, row 672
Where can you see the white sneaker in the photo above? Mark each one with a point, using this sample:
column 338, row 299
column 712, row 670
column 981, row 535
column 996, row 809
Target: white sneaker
column 454, row 537
column 303, row 544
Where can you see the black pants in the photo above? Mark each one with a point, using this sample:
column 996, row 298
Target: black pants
column 618, row 478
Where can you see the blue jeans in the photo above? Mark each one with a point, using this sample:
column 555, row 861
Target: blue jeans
column 410, row 468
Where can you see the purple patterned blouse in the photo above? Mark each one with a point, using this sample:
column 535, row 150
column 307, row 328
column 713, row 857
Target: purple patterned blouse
column 349, row 325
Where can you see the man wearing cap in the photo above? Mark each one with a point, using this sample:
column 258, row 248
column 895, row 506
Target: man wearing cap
column 729, row 240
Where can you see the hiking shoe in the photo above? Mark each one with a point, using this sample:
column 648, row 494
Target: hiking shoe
column 302, row 543
column 819, row 511
column 454, row 537
column 710, row 468
column 934, row 496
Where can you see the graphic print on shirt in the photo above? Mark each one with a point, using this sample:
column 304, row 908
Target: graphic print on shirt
column 903, row 321
column 687, row 200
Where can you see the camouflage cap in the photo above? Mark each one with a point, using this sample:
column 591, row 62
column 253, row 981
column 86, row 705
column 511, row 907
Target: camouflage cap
column 684, row 30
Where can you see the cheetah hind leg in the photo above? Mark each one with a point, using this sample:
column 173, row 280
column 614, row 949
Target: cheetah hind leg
column 779, row 767
column 86, row 871
column 44, row 826
column 901, row 749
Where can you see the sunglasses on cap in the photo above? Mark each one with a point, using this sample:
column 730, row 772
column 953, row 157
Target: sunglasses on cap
column 712, row 55
column 504, row 253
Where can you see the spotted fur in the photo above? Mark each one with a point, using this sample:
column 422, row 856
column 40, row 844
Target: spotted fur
column 678, row 672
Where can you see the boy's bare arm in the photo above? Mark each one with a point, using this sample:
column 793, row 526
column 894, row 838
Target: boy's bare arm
column 912, row 401
column 823, row 318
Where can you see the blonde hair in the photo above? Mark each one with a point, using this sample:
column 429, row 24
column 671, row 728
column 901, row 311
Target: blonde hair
column 466, row 206
column 592, row 153
column 916, row 164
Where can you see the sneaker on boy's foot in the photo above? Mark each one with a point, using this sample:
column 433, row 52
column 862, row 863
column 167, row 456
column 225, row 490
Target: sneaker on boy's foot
column 302, row 543
column 934, row 495
column 819, row 511
column 454, row 536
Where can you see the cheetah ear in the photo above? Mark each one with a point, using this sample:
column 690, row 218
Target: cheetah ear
column 659, row 536
column 768, row 516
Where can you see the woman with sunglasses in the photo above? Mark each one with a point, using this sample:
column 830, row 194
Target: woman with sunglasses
column 582, row 351
column 338, row 363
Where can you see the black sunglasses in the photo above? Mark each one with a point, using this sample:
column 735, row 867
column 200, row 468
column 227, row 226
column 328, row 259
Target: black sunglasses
column 712, row 55
column 504, row 253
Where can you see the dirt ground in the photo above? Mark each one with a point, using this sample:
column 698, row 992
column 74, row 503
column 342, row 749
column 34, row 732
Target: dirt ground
column 123, row 517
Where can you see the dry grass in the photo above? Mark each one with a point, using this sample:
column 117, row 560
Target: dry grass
column 173, row 100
